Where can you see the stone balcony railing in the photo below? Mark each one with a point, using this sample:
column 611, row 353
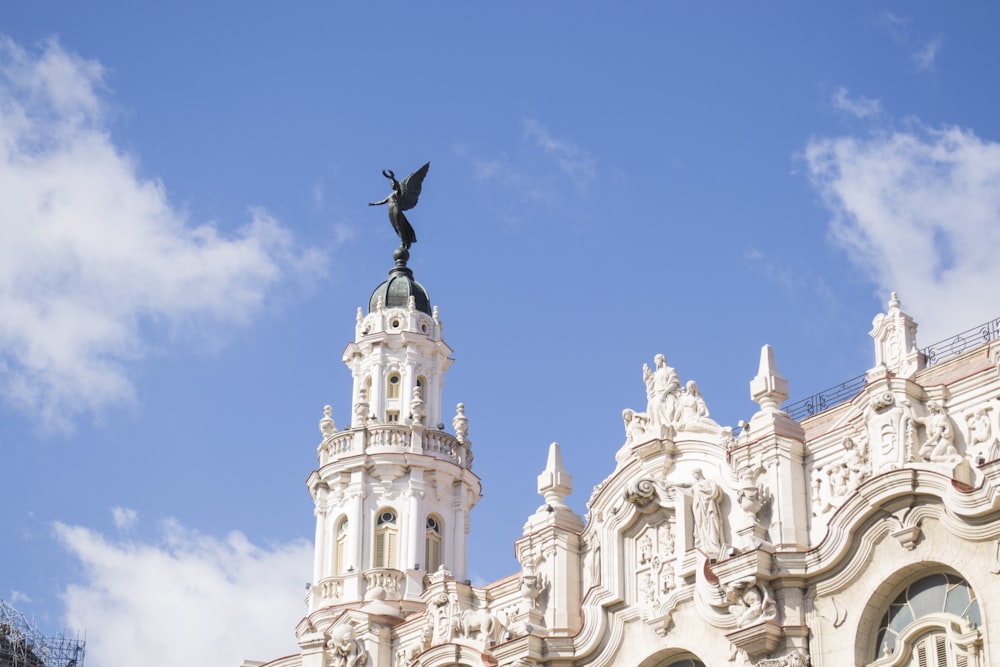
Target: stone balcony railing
column 331, row 589
column 383, row 438
column 389, row 580
column 355, row 586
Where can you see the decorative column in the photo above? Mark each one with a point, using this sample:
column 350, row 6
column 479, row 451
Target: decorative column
column 778, row 442
column 552, row 544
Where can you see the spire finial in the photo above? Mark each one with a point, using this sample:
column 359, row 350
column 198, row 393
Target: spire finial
column 768, row 389
column 554, row 484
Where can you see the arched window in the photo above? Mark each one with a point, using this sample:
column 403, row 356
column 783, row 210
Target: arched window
column 432, row 544
column 340, row 549
column 386, row 540
column 392, row 385
column 931, row 623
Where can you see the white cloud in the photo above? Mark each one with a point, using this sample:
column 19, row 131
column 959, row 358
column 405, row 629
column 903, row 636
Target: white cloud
column 91, row 252
column 575, row 161
column 124, row 517
column 922, row 53
column 860, row 106
column 919, row 210
column 185, row 599
column 17, row 597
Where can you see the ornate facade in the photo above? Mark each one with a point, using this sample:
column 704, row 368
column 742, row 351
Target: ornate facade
column 867, row 533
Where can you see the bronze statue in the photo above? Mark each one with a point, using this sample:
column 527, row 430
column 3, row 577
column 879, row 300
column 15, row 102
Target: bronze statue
column 402, row 198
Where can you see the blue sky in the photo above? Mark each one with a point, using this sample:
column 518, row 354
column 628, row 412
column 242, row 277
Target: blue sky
column 184, row 241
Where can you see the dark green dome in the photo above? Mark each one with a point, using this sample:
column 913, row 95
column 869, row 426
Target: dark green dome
column 399, row 287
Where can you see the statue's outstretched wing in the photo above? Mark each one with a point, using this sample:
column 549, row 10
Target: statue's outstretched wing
column 410, row 188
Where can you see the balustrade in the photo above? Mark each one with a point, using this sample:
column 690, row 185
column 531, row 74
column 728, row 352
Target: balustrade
column 331, row 588
column 398, row 438
column 391, row 581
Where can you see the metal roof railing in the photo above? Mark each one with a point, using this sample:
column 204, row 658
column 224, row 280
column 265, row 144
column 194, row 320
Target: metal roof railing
column 933, row 354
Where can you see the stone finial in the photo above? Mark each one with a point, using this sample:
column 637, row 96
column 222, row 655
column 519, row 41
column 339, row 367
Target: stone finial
column 326, row 425
column 417, row 412
column 359, row 318
column 554, row 484
column 361, row 408
column 768, row 389
column 460, row 423
column 411, row 303
column 380, row 303
column 437, row 315
column 895, row 335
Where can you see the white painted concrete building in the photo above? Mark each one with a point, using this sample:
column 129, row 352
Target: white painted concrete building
column 863, row 531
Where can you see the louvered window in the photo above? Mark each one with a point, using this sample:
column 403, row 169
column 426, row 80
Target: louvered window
column 932, row 650
column 432, row 544
column 340, row 553
column 386, row 540
column 392, row 386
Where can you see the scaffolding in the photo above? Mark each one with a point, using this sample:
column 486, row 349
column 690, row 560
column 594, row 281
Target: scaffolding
column 21, row 645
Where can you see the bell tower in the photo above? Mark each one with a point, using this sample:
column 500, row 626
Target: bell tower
column 393, row 492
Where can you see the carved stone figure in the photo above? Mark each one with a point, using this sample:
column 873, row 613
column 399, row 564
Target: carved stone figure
column 817, row 494
column 663, row 389
column 839, row 477
column 729, row 440
column 402, row 198
column 706, row 496
column 980, row 428
column 753, row 603
column 983, row 445
column 478, row 621
column 939, row 445
column 635, row 425
column 692, row 413
column 345, row 650
column 796, row 658
column 666, row 540
column 858, row 465
column 647, row 587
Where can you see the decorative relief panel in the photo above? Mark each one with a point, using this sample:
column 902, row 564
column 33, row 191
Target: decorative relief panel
column 834, row 482
column 891, row 432
column 655, row 563
column 982, row 433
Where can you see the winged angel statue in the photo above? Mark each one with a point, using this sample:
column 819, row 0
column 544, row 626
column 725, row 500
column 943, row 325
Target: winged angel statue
column 402, row 198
